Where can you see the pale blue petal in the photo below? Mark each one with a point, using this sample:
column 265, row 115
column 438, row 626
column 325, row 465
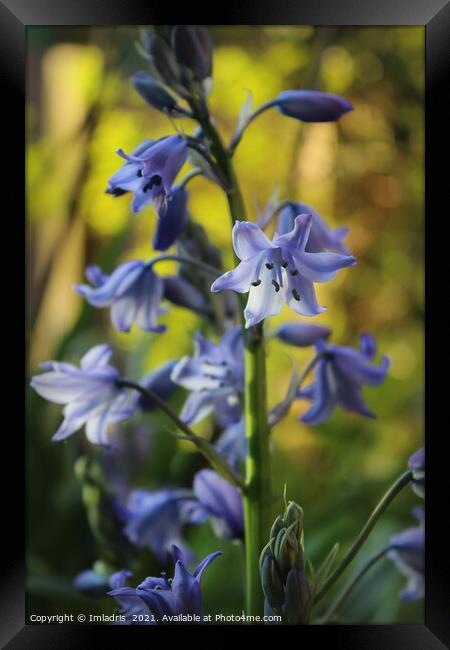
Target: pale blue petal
column 249, row 240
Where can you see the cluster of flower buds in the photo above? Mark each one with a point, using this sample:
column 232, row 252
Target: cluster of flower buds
column 180, row 62
column 282, row 564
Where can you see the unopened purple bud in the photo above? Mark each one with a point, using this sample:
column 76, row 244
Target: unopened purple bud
column 173, row 223
column 192, row 47
column 271, row 581
column 153, row 93
column 298, row 598
column 312, row 105
column 302, row 334
column 182, row 293
column 159, row 382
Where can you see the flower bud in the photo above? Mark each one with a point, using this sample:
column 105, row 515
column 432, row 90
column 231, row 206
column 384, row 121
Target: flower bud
column 192, row 47
column 153, row 93
column 276, row 527
column 294, row 514
column 162, row 60
column 290, row 553
column 271, row 581
column 298, row 598
column 312, row 105
column 182, row 293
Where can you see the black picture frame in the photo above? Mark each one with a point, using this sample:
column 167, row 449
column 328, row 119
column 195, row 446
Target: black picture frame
column 15, row 16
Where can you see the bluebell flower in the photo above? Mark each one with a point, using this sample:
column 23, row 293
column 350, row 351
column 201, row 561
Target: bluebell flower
column 171, row 225
column 156, row 519
column 340, row 374
column 408, row 554
column 164, row 598
column 222, row 502
column 321, row 238
column 232, row 442
column 90, row 393
column 417, row 464
column 278, row 271
column 215, row 376
column 91, row 583
column 312, row 105
column 302, row 334
column 150, row 172
column 133, row 292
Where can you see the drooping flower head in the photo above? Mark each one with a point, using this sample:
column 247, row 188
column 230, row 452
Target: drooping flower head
column 91, row 394
column 278, row 271
column 214, row 374
column 408, row 554
column 162, row 597
column 133, row 292
column 171, row 225
column 417, row 464
column 222, row 502
column 150, row 172
column 340, row 374
column 156, row 519
column 321, row 238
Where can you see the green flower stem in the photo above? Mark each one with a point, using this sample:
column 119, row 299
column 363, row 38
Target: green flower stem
column 210, row 453
column 342, row 596
column 257, row 493
column 390, row 495
column 185, row 260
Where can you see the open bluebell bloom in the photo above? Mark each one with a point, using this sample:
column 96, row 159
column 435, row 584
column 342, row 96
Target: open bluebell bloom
column 222, row 502
column 174, row 221
column 321, row 238
column 156, row 519
column 278, row 271
column 312, row 105
column 90, row 393
column 417, row 464
column 408, row 554
column 150, row 172
column 164, row 598
column 302, row 334
column 215, row 375
column 133, row 292
column 340, row 374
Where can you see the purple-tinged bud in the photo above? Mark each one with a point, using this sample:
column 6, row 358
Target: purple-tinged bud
column 312, row 105
column 182, row 293
column 301, row 334
column 276, row 527
column 298, row 598
column 417, row 464
column 159, row 382
column 163, row 61
column 290, row 552
column 271, row 581
column 192, row 47
column 294, row 519
column 153, row 93
column 171, row 226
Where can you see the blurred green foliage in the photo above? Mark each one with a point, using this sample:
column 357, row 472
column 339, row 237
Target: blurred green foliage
column 365, row 172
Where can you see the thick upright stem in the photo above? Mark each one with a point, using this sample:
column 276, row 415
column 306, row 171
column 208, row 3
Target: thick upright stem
column 257, row 494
